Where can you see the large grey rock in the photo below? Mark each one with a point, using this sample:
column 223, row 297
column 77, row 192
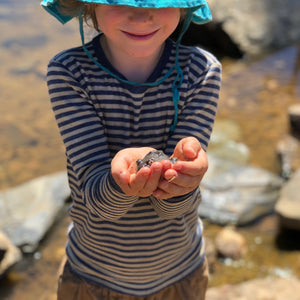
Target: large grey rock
column 258, row 289
column 28, row 210
column 232, row 191
column 288, row 205
column 223, row 142
column 237, row 194
column 259, row 25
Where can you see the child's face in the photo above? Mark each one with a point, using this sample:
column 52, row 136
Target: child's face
column 137, row 32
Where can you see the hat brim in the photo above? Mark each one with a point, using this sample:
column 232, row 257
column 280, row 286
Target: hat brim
column 201, row 12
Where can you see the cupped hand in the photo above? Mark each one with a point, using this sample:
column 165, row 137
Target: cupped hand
column 187, row 173
column 132, row 183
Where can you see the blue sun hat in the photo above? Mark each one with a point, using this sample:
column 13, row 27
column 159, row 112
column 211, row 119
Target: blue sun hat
column 200, row 10
column 197, row 12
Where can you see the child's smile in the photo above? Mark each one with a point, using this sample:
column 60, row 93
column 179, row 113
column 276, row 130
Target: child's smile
column 135, row 36
column 140, row 36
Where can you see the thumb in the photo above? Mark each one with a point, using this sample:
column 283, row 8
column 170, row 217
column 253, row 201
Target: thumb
column 190, row 148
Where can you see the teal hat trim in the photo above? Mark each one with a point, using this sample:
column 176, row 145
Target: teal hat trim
column 200, row 10
column 176, row 83
column 52, row 7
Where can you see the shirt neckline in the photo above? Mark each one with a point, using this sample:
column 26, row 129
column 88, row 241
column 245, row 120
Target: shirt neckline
column 157, row 73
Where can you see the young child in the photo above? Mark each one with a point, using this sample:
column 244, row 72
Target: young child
column 136, row 234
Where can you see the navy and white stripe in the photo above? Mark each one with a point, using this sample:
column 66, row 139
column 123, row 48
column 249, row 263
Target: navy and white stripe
column 133, row 245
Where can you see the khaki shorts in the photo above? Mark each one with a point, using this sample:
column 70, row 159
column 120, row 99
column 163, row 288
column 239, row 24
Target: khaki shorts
column 72, row 287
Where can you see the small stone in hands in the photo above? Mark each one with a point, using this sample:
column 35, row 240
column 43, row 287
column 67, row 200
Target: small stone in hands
column 153, row 156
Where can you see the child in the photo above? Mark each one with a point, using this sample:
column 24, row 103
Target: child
column 136, row 234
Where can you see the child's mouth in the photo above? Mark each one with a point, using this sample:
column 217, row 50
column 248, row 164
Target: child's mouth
column 140, row 36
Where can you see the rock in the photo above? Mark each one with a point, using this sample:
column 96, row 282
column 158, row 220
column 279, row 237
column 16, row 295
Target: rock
column 258, row 289
column 294, row 115
column 223, row 143
column 9, row 254
column 153, row 156
column 288, row 205
column 209, row 36
column 288, row 150
column 232, row 191
column 231, row 244
column 235, row 194
column 232, row 151
column 28, row 210
column 257, row 26
column 223, row 150
column 224, row 130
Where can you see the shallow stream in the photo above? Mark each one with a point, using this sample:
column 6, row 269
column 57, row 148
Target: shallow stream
column 255, row 95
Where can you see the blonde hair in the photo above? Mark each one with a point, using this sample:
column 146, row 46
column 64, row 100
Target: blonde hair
column 76, row 8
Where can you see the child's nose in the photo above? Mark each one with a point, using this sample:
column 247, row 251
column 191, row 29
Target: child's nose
column 140, row 15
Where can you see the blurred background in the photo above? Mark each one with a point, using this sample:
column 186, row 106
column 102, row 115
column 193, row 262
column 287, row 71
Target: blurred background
column 251, row 205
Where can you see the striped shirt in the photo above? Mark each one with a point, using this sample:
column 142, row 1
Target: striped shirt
column 133, row 245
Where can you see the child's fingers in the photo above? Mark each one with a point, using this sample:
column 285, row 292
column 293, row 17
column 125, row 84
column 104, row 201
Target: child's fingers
column 122, row 179
column 196, row 167
column 131, row 184
column 153, row 179
column 138, row 180
column 191, row 148
column 190, row 169
column 187, row 149
column 168, row 190
column 145, row 181
column 181, row 181
column 170, row 174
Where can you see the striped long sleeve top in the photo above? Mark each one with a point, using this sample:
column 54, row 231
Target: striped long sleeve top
column 133, row 245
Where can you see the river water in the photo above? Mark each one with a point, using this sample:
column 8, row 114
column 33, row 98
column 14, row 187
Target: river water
column 255, row 95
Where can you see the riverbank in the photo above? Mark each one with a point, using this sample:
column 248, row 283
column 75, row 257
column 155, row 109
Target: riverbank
column 255, row 95
column 259, row 110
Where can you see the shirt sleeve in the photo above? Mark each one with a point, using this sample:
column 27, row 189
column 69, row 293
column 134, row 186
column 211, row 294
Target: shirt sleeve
column 86, row 144
column 198, row 107
column 197, row 111
column 178, row 206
